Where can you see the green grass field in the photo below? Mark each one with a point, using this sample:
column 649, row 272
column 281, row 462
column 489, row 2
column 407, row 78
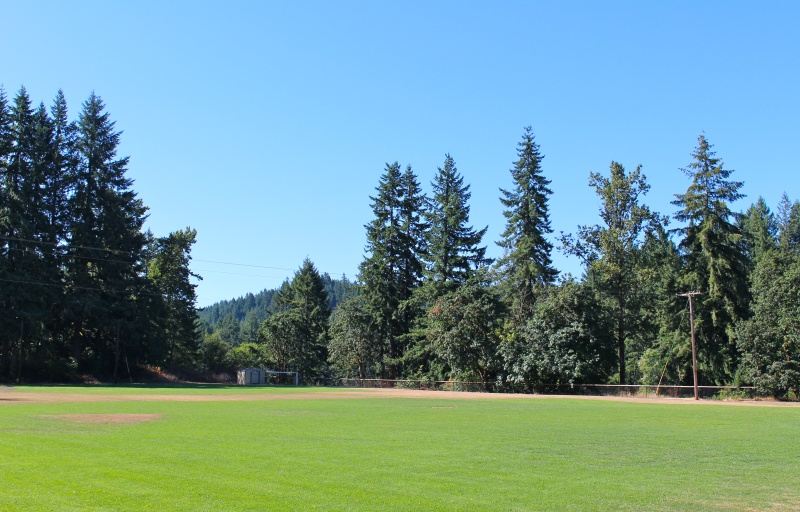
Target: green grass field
column 394, row 454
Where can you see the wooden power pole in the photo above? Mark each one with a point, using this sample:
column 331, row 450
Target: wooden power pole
column 694, row 346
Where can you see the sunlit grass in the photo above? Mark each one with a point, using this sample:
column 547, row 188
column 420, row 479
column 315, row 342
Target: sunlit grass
column 398, row 454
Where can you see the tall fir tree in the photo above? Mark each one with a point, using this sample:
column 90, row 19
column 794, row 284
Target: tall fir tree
column 392, row 268
column 25, row 309
column 770, row 339
column 759, row 229
column 526, row 263
column 168, row 271
column 7, row 284
column 105, row 262
column 788, row 220
column 297, row 335
column 713, row 261
column 454, row 250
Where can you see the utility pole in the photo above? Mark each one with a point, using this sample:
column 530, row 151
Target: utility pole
column 694, row 346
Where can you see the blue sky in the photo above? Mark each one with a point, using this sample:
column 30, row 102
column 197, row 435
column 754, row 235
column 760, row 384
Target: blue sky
column 266, row 125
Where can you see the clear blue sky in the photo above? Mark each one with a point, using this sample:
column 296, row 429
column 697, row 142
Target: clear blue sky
column 266, row 125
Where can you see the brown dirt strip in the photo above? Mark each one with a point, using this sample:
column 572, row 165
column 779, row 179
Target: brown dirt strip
column 11, row 396
column 106, row 419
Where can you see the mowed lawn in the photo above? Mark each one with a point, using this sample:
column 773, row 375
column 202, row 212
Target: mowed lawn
column 394, row 453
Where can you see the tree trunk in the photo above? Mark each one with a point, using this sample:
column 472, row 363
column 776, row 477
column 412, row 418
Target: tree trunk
column 621, row 342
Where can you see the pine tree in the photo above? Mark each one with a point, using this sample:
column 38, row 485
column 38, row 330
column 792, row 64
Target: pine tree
column 713, row 260
column 412, row 247
column 526, row 263
column 789, row 223
column 297, row 335
column 392, row 269
column 168, row 270
column 24, row 310
column 770, row 339
column 7, row 284
column 105, row 262
column 759, row 230
column 454, row 251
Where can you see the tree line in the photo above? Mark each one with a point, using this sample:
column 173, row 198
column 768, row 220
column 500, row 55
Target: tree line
column 83, row 289
column 428, row 304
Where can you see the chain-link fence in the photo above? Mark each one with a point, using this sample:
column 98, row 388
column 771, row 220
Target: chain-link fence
column 632, row 390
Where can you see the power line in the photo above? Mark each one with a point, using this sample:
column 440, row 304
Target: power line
column 217, row 262
column 239, row 274
column 65, row 286
column 244, row 265
column 68, row 246
column 93, row 258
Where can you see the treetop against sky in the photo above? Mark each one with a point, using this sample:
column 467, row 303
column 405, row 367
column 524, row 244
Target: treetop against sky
column 267, row 126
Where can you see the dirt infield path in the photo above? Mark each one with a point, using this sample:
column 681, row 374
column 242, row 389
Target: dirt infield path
column 9, row 395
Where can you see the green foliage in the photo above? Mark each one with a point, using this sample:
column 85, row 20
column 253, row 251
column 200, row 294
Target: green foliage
column 526, row 263
column 713, row 261
column 247, row 355
column 281, row 335
column 464, row 329
column 296, row 337
column 759, row 230
column 354, row 349
column 789, row 223
column 657, row 337
column 613, row 252
column 81, row 286
column 169, row 274
column 214, row 354
column 770, row 339
column 392, row 268
column 454, row 251
column 566, row 341
column 229, row 330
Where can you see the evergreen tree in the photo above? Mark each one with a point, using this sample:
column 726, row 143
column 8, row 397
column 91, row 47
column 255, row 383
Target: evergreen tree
column 770, row 339
column 297, row 335
column 526, row 263
column 229, row 330
column 759, row 229
column 654, row 341
column 168, row 270
column 392, row 269
column 714, row 261
column 454, row 251
column 464, row 330
column 24, row 310
column 612, row 251
column 7, row 282
column 105, row 264
column 789, row 223
column 413, row 228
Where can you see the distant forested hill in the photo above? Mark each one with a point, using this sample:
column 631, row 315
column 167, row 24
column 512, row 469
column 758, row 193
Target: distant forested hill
column 239, row 318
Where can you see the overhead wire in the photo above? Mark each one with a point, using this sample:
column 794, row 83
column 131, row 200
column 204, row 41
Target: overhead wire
column 217, row 262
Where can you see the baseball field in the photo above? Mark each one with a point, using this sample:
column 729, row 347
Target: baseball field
column 232, row 448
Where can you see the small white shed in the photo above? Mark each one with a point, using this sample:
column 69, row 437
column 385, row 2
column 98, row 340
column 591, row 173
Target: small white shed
column 250, row 376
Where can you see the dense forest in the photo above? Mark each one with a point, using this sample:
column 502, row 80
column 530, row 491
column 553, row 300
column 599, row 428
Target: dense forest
column 84, row 288
column 239, row 320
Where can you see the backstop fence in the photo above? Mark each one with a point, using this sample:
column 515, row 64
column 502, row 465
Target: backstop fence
column 634, row 390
